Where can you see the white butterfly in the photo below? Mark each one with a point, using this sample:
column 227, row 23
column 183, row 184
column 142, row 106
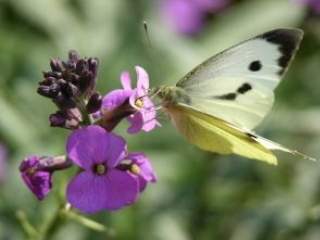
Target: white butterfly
column 219, row 102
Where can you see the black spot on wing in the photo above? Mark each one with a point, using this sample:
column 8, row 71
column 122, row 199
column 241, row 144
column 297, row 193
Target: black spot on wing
column 244, row 88
column 255, row 66
column 228, row 96
column 288, row 41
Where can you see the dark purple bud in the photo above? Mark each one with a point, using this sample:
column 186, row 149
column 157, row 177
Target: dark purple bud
column 81, row 66
column 73, row 56
column 57, row 119
column 56, row 65
column 93, row 65
column 94, row 103
column 69, row 118
column 68, row 84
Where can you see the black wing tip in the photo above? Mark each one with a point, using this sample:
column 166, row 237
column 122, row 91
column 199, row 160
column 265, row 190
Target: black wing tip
column 288, row 40
column 284, row 35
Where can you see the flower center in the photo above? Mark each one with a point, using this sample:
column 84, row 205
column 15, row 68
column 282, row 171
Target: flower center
column 135, row 169
column 138, row 103
column 31, row 171
column 100, row 169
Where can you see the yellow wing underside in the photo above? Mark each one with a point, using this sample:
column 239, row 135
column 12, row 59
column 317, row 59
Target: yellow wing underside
column 215, row 135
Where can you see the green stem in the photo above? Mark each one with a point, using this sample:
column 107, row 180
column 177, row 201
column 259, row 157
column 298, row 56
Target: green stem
column 52, row 226
column 29, row 230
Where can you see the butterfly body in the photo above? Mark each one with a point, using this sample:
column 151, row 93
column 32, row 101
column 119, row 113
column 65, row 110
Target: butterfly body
column 217, row 104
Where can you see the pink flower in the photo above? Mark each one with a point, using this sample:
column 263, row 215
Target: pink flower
column 188, row 16
column 141, row 113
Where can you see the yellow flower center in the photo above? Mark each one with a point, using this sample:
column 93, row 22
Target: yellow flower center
column 139, row 103
column 100, row 169
column 135, row 169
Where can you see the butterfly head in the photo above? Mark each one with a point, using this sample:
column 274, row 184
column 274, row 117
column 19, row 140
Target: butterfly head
column 170, row 95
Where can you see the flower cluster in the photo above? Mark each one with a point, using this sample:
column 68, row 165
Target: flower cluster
column 71, row 84
column 188, row 16
column 109, row 177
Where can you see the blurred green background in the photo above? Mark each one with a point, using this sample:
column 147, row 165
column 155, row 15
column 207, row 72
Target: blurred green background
column 198, row 195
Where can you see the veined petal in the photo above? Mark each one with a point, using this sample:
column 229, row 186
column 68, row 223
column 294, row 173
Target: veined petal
column 88, row 192
column 92, row 145
column 40, row 183
column 136, row 121
column 117, row 149
column 146, row 170
column 123, row 189
column 115, row 98
column 126, row 80
column 142, row 78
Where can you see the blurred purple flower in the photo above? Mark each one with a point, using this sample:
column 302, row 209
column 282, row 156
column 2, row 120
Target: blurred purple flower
column 101, row 186
column 134, row 103
column 38, row 181
column 313, row 4
column 3, row 164
column 141, row 166
column 188, row 16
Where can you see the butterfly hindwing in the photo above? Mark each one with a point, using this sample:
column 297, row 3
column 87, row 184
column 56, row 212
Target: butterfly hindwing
column 237, row 84
column 215, row 135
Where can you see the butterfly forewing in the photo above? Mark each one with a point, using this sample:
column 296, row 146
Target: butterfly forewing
column 237, row 84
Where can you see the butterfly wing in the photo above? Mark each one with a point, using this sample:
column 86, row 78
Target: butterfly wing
column 237, row 84
column 215, row 135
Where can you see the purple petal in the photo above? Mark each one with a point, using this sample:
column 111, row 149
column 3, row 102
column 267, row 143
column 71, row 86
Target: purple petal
column 92, row 193
column 115, row 98
column 146, row 170
column 87, row 192
column 145, row 118
column 142, row 78
column 123, row 189
column 117, row 150
column 39, row 182
column 92, row 145
column 136, row 123
column 149, row 115
column 183, row 15
column 126, row 80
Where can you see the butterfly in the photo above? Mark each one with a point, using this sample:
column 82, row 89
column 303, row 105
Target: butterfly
column 217, row 105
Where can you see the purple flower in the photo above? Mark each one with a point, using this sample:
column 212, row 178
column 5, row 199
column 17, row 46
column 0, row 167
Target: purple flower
column 132, row 103
column 101, row 186
column 141, row 166
column 313, row 4
column 3, row 159
column 188, row 16
column 38, row 181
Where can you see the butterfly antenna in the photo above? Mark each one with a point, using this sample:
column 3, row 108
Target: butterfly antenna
column 150, row 49
column 146, row 31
